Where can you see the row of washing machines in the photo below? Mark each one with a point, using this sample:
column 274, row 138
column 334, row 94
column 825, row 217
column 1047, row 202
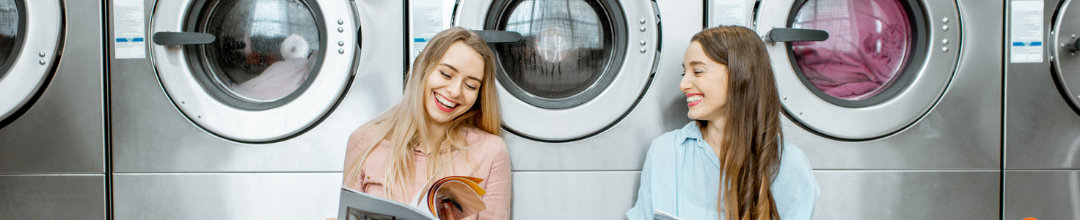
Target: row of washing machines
column 240, row 109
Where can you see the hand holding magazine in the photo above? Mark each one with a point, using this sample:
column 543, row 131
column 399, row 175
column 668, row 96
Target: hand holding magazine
column 449, row 198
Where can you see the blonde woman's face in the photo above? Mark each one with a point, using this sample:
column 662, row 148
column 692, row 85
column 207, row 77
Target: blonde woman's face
column 705, row 84
column 453, row 86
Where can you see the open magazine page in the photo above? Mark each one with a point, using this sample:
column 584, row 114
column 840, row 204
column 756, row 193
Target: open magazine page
column 357, row 205
column 452, row 197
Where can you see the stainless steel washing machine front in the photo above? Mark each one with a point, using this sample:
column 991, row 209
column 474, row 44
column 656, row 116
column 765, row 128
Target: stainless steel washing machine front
column 900, row 90
column 52, row 110
column 242, row 109
column 584, row 92
column 1042, row 121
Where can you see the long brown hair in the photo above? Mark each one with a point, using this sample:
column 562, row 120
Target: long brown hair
column 751, row 135
column 405, row 124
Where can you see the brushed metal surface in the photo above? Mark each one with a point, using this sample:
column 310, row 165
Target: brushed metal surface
column 962, row 131
column 1042, row 194
column 226, row 196
column 662, row 108
column 967, row 194
column 1041, row 130
column 151, row 135
column 52, row 196
column 64, row 131
column 574, row 195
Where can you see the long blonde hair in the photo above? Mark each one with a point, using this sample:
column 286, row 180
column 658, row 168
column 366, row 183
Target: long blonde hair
column 405, row 124
column 752, row 134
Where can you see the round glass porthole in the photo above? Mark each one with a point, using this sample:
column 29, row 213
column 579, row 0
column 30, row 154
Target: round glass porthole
column 868, row 56
column 265, row 54
column 566, row 56
column 9, row 34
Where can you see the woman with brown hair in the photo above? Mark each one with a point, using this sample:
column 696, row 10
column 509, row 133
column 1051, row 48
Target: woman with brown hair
column 447, row 124
column 731, row 162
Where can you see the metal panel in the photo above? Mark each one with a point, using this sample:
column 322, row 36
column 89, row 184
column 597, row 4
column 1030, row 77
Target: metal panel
column 151, row 135
column 574, row 195
column 1041, row 130
column 226, row 196
column 52, row 196
column 963, row 131
column 908, row 195
column 63, row 132
column 1042, row 194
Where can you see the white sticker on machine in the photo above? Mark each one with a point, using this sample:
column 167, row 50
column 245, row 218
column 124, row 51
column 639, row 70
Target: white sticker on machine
column 429, row 17
column 129, row 31
column 727, row 12
column 1026, row 34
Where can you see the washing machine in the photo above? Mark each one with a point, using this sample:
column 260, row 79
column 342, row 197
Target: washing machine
column 241, row 109
column 583, row 93
column 897, row 103
column 1042, row 118
column 52, row 110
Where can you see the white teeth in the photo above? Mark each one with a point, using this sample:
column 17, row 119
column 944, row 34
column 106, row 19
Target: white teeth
column 445, row 102
column 693, row 99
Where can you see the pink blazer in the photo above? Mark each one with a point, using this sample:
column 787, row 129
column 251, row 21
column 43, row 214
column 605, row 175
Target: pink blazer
column 490, row 156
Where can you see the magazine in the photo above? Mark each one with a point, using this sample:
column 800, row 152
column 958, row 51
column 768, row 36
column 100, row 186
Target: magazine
column 452, row 197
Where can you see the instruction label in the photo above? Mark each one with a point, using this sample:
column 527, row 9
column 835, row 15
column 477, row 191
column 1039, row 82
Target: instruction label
column 129, row 31
column 429, row 17
column 727, row 12
column 1026, row 33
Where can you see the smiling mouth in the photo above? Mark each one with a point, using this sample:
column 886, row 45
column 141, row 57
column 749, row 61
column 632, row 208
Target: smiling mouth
column 443, row 103
column 693, row 99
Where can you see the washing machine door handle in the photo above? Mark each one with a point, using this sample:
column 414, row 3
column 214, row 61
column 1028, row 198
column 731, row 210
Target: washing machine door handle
column 1073, row 45
column 493, row 37
column 796, row 34
column 182, row 38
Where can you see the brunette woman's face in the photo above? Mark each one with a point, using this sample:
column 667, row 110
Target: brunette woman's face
column 705, row 83
column 453, row 86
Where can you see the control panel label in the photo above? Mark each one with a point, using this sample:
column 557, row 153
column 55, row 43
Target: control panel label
column 129, row 33
column 1026, row 33
column 728, row 12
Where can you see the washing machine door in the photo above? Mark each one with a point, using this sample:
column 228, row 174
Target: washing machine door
column 253, row 70
column 885, row 63
column 1066, row 29
column 28, row 52
column 580, row 66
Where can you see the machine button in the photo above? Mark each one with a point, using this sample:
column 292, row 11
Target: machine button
column 42, row 53
column 341, row 43
column 340, row 22
column 341, row 51
column 642, row 43
column 42, row 62
column 945, row 20
column 340, row 29
column 944, row 49
column 642, row 51
column 944, row 41
column 642, row 28
column 642, row 21
column 945, row 27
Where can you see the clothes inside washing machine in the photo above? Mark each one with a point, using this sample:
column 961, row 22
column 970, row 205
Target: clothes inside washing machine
column 868, row 44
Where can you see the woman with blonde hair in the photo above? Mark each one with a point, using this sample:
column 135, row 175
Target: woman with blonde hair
column 447, row 124
column 730, row 162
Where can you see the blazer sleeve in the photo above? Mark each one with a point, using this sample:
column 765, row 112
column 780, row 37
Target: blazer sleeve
column 498, row 188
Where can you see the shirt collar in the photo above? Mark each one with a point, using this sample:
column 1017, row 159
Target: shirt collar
column 690, row 131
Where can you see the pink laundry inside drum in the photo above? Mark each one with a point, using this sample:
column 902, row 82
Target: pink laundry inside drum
column 869, row 41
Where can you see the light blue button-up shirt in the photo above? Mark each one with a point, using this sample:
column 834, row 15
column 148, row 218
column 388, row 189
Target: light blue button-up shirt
column 681, row 176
